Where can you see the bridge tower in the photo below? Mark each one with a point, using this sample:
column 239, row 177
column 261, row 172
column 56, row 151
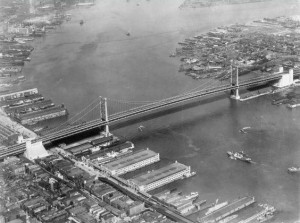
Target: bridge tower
column 235, row 92
column 104, row 114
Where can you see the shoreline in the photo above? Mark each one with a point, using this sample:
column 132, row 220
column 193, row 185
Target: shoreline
column 6, row 121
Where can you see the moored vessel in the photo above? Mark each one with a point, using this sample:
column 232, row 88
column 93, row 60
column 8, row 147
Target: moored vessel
column 239, row 156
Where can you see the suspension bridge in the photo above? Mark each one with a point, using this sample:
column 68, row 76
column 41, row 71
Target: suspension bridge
column 95, row 115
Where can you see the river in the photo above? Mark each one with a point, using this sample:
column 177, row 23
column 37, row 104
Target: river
column 75, row 64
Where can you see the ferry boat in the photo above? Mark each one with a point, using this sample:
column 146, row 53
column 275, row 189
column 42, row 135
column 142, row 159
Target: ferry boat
column 294, row 169
column 239, row 156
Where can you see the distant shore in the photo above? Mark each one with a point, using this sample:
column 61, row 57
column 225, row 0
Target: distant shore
column 207, row 3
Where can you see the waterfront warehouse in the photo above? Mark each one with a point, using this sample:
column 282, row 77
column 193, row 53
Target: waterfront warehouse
column 131, row 162
column 18, row 94
column 160, row 177
column 41, row 115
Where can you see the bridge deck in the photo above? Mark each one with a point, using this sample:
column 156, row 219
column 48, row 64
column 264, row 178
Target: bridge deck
column 152, row 107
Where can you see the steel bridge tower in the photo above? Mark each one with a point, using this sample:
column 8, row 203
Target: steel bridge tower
column 235, row 92
column 104, row 114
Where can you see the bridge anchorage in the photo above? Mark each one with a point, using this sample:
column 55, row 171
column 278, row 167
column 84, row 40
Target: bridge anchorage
column 282, row 80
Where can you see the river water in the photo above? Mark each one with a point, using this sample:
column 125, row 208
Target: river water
column 75, row 64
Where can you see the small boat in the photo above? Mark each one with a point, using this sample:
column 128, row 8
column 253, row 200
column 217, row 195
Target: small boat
column 294, row 169
column 239, row 156
column 81, row 22
column 38, row 129
column 243, row 129
column 32, row 122
column 141, row 127
column 192, row 196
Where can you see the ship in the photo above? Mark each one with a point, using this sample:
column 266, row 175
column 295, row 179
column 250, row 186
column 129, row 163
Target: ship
column 216, row 207
column 239, row 156
column 81, row 22
column 294, row 169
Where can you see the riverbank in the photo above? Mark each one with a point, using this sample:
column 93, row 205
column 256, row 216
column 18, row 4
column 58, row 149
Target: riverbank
column 12, row 125
column 78, row 63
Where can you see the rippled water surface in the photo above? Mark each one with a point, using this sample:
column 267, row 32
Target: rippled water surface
column 75, row 64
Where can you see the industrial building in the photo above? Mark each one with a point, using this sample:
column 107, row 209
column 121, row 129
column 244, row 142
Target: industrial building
column 131, row 162
column 18, row 94
column 41, row 115
column 160, row 177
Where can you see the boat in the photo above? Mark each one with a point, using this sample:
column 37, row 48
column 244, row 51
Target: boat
column 128, row 34
column 228, row 219
column 191, row 196
column 189, row 174
column 216, row 207
column 265, row 217
column 38, row 129
column 81, row 22
column 294, row 169
column 239, row 156
column 293, row 105
column 242, row 130
column 32, row 122
column 141, row 127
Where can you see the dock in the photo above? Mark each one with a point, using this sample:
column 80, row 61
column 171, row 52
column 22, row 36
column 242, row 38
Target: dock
column 227, row 210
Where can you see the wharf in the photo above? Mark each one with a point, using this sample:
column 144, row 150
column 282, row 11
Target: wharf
column 40, row 105
column 254, row 96
column 157, row 178
column 131, row 162
column 18, row 94
column 227, row 210
column 116, row 148
column 23, row 100
column 249, row 215
column 42, row 115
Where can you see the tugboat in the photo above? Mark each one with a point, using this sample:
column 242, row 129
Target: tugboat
column 239, row 156
column 294, row 169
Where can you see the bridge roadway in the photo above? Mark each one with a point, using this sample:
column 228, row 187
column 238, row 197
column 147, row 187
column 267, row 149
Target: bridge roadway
column 152, row 107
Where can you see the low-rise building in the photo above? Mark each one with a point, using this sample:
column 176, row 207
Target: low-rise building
column 160, row 177
column 131, row 162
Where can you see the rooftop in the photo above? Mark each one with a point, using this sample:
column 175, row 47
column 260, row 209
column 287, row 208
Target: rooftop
column 41, row 112
column 130, row 159
column 158, row 174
